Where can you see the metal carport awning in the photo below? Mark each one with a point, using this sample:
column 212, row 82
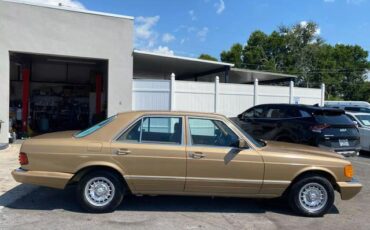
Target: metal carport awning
column 243, row 76
column 152, row 65
column 147, row 63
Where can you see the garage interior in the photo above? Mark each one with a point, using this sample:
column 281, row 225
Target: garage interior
column 55, row 93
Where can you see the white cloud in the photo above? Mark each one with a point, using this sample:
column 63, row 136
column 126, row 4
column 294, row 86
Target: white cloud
column 318, row 31
column 167, row 37
column 182, row 41
column 220, row 6
column 202, row 34
column 303, row 24
column 192, row 15
column 163, row 50
column 144, row 26
column 329, row 0
column 66, row 3
column 356, row 2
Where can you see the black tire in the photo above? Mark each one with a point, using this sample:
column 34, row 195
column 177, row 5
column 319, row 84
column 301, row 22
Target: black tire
column 297, row 205
column 114, row 200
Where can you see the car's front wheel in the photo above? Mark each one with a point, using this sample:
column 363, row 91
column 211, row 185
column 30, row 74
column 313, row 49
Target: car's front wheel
column 100, row 191
column 311, row 196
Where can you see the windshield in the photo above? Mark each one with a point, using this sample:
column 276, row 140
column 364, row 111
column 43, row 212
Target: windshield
column 364, row 119
column 258, row 143
column 93, row 128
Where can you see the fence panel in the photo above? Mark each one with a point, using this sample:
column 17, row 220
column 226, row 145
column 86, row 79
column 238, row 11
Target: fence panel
column 151, row 95
column 194, row 96
column 227, row 99
column 307, row 96
column 234, row 98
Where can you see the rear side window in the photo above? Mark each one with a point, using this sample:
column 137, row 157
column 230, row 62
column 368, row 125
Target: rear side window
column 155, row 130
column 94, row 128
column 257, row 112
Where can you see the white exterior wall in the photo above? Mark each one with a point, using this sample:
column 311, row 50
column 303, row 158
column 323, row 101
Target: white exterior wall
column 46, row 30
column 230, row 99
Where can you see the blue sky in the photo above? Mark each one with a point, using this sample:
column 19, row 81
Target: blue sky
column 192, row 27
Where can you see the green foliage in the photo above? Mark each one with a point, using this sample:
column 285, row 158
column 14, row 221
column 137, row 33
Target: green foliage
column 234, row 55
column 299, row 50
column 207, row 57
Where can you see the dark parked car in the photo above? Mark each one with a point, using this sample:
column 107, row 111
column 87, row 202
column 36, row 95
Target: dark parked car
column 324, row 127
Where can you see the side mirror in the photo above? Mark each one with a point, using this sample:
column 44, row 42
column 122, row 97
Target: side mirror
column 242, row 144
column 240, row 116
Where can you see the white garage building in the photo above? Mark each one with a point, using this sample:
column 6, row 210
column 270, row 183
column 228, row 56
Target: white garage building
column 63, row 68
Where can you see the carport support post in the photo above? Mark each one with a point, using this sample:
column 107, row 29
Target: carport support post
column 255, row 95
column 25, row 97
column 291, row 92
column 322, row 102
column 217, row 84
column 172, row 92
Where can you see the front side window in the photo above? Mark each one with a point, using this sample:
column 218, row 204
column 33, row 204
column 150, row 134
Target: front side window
column 211, row 133
column 155, row 130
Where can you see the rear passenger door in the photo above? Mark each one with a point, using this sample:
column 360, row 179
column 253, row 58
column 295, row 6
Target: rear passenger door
column 152, row 153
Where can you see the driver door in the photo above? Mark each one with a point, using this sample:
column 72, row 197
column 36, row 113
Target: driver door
column 215, row 164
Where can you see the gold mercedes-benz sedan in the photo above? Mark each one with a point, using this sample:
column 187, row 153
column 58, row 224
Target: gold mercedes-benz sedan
column 182, row 153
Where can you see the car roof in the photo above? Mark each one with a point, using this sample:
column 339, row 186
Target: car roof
column 302, row 106
column 357, row 113
column 175, row 113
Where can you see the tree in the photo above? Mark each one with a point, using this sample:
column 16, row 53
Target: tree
column 299, row 50
column 234, row 55
column 207, row 57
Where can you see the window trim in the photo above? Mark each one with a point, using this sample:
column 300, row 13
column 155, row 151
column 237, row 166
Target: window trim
column 141, row 118
column 190, row 139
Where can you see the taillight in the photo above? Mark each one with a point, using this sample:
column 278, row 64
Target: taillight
column 23, row 159
column 319, row 128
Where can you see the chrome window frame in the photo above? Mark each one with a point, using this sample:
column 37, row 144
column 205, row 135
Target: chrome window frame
column 141, row 118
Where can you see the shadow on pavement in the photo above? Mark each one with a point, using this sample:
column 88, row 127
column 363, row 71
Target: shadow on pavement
column 40, row 198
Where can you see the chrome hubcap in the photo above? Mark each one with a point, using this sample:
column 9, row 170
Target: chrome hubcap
column 313, row 197
column 99, row 191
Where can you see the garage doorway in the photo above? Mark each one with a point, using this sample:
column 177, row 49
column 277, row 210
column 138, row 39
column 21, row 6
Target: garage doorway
column 55, row 93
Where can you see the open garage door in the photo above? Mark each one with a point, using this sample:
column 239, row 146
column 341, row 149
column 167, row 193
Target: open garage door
column 54, row 93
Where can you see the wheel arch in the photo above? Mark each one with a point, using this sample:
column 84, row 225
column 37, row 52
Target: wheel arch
column 92, row 166
column 314, row 171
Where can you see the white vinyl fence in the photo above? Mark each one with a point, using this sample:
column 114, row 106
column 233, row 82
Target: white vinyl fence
column 224, row 98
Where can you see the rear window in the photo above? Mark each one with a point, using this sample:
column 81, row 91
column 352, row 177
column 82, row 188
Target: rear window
column 332, row 117
column 94, row 128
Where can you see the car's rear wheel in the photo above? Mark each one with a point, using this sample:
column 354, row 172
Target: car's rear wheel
column 311, row 196
column 100, row 191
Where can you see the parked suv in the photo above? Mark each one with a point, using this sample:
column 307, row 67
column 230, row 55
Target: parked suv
column 324, row 127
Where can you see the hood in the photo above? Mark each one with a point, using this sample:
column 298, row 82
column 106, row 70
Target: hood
column 284, row 147
column 56, row 135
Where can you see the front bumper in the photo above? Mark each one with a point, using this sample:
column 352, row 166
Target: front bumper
column 349, row 189
column 42, row 178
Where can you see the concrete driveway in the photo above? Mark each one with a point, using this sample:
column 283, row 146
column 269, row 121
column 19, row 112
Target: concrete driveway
column 33, row 207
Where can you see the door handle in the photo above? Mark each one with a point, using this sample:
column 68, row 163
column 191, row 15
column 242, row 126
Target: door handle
column 123, row 151
column 197, row 155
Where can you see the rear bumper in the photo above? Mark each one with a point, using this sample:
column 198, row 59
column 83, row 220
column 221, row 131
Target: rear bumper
column 345, row 151
column 42, row 178
column 349, row 189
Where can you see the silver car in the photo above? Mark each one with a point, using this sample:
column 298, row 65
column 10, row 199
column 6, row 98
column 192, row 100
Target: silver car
column 363, row 122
